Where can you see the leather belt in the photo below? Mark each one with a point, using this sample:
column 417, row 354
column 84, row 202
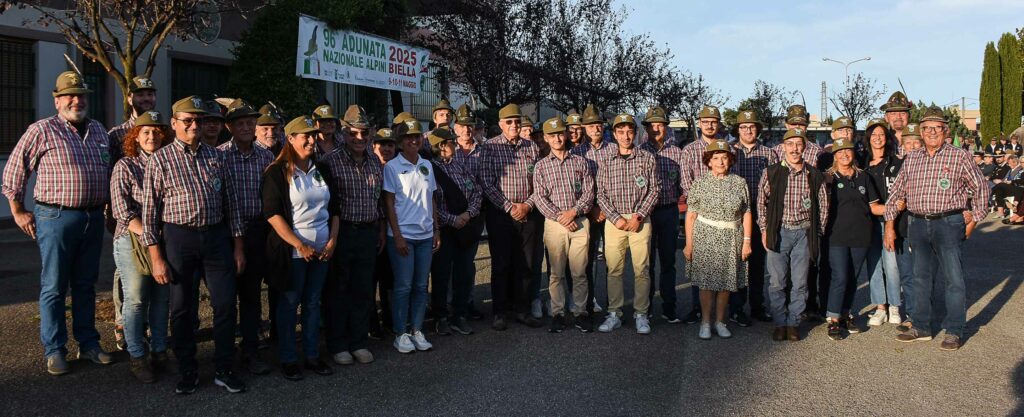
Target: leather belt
column 936, row 216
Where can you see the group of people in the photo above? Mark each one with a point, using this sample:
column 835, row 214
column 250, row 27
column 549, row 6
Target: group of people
column 326, row 211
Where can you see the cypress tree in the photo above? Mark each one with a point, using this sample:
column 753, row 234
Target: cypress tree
column 1013, row 84
column 990, row 95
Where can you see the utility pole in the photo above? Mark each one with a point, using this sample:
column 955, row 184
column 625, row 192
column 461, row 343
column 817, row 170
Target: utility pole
column 824, row 103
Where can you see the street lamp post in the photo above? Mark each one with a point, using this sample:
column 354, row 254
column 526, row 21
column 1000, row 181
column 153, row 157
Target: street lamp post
column 846, row 67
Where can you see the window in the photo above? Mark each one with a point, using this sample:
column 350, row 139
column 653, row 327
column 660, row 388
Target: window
column 96, row 77
column 202, row 79
column 434, row 87
column 17, row 81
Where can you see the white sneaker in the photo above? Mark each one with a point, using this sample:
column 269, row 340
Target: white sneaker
column 343, row 358
column 403, row 343
column 597, row 307
column 877, row 318
column 611, row 322
column 722, row 330
column 894, row 315
column 705, row 331
column 536, row 309
column 643, row 326
column 421, row 342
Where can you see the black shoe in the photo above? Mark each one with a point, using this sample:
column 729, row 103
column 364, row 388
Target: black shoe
column 528, row 320
column 292, row 371
column 692, row 317
column 583, row 323
column 319, row 367
column 761, row 315
column 441, row 327
column 255, row 364
column 669, row 314
column 159, row 361
column 474, row 314
column 229, row 381
column 835, row 330
column 188, row 384
column 740, row 318
column 851, row 325
column 557, row 324
column 461, row 325
column 376, row 334
column 499, row 323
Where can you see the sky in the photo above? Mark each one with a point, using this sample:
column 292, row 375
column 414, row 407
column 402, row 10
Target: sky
column 934, row 46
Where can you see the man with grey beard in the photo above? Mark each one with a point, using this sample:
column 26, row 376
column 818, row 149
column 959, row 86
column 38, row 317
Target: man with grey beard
column 71, row 157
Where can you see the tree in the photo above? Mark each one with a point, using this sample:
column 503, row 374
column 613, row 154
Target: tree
column 696, row 93
column 858, row 98
column 264, row 66
column 119, row 34
column 1012, row 84
column 991, row 95
column 494, row 47
column 769, row 101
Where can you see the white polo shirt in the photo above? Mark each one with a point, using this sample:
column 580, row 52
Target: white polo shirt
column 413, row 186
column 309, row 196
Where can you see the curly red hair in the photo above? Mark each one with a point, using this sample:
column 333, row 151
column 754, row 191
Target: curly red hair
column 131, row 145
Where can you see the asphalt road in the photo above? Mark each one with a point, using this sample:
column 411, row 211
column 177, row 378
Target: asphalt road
column 530, row 372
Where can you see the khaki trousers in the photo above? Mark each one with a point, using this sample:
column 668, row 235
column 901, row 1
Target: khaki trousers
column 565, row 247
column 616, row 242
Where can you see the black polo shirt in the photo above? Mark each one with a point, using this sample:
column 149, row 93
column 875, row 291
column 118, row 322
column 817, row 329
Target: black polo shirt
column 849, row 217
column 884, row 176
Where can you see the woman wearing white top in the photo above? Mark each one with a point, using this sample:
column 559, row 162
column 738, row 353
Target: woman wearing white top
column 412, row 235
column 301, row 206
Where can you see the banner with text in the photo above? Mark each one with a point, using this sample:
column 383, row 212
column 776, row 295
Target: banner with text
column 357, row 58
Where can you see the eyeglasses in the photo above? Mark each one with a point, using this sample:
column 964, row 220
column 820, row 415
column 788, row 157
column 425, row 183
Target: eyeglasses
column 932, row 129
column 188, row 122
column 747, row 127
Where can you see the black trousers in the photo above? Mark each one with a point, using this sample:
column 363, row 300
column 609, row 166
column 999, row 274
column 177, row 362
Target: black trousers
column 596, row 235
column 755, row 278
column 188, row 251
column 383, row 283
column 250, row 285
column 348, row 291
column 1003, row 190
column 664, row 243
column 514, row 259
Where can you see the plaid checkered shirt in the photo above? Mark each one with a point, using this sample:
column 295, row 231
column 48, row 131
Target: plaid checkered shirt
column 693, row 164
column 185, row 187
column 750, row 164
column 71, row 171
column 506, row 170
column 562, row 184
column 670, row 163
column 812, row 151
column 117, row 135
column 627, row 184
column 939, row 183
column 470, row 161
column 245, row 173
column 359, row 184
column 593, row 154
column 126, row 191
column 797, row 201
column 467, row 184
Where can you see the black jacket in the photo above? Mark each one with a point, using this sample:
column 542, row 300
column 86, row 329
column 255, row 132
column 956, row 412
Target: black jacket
column 276, row 201
column 778, row 179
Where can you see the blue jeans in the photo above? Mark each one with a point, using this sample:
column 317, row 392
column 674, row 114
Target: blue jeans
column 664, row 245
column 845, row 263
column 145, row 301
column 905, row 263
column 70, row 242
column 411, row 274
column 305, row 285
column 793, row 257
column 885, row 274
column 937, row 252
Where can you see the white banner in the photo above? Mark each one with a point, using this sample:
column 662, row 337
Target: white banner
column 357, row 58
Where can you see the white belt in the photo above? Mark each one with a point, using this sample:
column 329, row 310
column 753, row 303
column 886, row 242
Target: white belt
column 717, row 223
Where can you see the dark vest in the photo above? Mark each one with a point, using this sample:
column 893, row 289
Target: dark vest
column 778, row 180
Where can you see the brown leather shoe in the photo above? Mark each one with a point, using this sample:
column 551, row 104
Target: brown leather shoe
column 950, row 342
column 779, row 334
column 792, row 334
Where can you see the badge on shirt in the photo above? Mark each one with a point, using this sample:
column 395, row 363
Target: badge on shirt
column 807, row 202
column 317, row 177
column 216, row 184
column 672, row 175
column 376, row 191
column 862, row 190
column 578, row 186
column 640, row 181
column 944, row 184
column 840, row 185
column 469, row 185
column 424, row 170
column 105, row 156
column 529, row 168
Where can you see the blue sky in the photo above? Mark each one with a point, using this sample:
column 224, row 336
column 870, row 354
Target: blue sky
column 934, row 46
